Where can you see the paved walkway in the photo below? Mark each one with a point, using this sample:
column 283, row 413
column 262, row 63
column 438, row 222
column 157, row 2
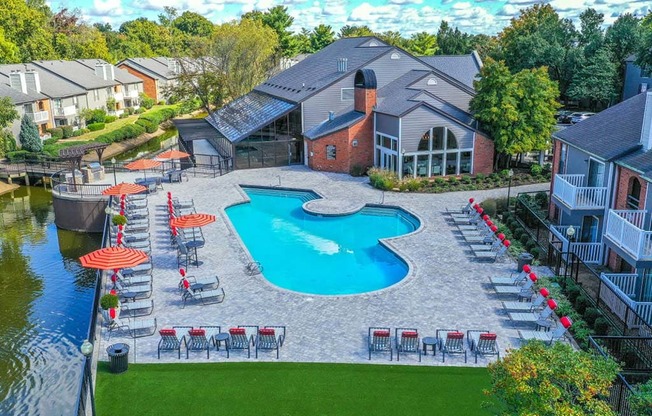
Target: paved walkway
column 444, row 288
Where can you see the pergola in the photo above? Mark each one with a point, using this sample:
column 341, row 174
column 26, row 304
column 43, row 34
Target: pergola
column 74, row 154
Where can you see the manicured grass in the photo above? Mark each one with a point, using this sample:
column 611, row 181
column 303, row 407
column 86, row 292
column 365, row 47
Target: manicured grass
column 291, row 389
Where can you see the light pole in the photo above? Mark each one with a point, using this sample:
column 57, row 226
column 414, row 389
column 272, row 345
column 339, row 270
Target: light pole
column 115, row 181
column 87, row 349
column 570, row 233
column 509, row 188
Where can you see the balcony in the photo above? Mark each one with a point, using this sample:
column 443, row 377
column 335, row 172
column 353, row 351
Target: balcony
column 68, row 111
column 118, row 96
column 132, row 94
column 622, row 293
column 39, row 117
column 625, row 230
column 569, row 190
column 590, row 253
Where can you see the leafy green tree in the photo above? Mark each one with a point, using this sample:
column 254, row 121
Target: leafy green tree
column 26, row 26
column 515, row 110
column 28, row 136
column 422, row 44
column 591, row 36
column 193, row 24
column 623, row 37
column 146, row 32
column 486, row 46
column 280, row 21
column 320, row 37
column 644, row 59
column 9, row 52
column 595, row 80
column 7, row 142
column 393, row 38
column 452, row 41
column 349, row 31
column 8, row 112
column 553, row 380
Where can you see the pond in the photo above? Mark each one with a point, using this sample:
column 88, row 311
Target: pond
column 45, row 303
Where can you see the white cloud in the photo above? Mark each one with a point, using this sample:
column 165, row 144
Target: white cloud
column 106, row 8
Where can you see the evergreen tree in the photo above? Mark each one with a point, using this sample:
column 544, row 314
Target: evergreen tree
column 28, row 137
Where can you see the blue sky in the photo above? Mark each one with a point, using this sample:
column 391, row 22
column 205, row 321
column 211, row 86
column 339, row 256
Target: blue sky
column 406, row 16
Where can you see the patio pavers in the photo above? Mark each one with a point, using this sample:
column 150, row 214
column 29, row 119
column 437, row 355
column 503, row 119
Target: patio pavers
column 444, row 287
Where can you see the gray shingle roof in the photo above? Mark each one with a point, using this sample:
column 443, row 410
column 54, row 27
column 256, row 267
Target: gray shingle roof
column 331, row 126
column 76, row 73
column 156, row 66
column 17, row 97
column 640, row 161
column 246, row 114
column 51, row 85
column 464, row 68
column 193, row 129
column 611, row 133
column 122, row 76
column 397, row 99
column 320, row 69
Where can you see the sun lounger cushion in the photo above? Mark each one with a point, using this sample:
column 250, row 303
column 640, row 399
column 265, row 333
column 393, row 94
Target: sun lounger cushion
column 409, row 334
column 488, row 337
column 200, row 332
column 168, row 332
column 237, row 331
column 266, row 331
column 455, row 335
column 381, row 333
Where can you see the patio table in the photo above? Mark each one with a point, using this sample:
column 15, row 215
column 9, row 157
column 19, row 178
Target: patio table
column 429, row 341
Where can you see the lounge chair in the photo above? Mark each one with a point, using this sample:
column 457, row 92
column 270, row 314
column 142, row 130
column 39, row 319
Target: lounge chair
column 493, row 246
column 129, row 237
column 206, row 297
column 170, row 341
column 211, row 332
column 540, row 318
column 137, row 308
column 482, row 342
column 142, row 291
column 144, row 268
column 185, row 255
column 240, row 340
column 205, row 283
column 266, row 339
column 528, row 306
column 196, row 340
column 380, row 340
column 407, row 340
column 491, row 255
column 524, row 290
column 512, row 280
column 549, row 336
column 135, row 327
column 131, row 280
column 451, row 341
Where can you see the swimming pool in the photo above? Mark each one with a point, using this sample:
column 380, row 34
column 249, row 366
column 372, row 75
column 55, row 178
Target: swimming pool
column 323, row 255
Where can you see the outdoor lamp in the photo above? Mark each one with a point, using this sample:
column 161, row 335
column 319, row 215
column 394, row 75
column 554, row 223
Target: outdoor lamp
column 510, row 173
column 570, row 232
column 86, row 348
column 108, row 210
column 115, row 180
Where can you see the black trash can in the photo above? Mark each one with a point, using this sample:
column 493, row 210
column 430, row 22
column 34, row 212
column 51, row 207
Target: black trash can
column 118, row 357
column 523, row 259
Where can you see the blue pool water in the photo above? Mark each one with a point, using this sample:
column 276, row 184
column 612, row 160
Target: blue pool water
column 320, row 255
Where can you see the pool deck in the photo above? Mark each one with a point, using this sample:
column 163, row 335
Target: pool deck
column 445, row 287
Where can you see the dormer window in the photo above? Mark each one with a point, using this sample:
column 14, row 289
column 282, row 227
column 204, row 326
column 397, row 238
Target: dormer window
column 373, row 43
column 432, row 81
column 395, row 56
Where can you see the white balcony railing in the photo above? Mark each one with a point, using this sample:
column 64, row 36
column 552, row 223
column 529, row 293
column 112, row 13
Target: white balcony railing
column 67, row 111
column 39, row 116
column 624, row 288
column 132, row 94
column 569, row 190
column 624, row 229
column 118, row 96
column 589, row 252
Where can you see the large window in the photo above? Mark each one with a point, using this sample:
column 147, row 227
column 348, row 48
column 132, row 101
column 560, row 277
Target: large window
column 437, row 154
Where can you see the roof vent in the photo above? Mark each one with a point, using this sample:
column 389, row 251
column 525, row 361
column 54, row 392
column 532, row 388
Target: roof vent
column 395, row 56
column 331, row 115
column 432, row 81
column 342, row 65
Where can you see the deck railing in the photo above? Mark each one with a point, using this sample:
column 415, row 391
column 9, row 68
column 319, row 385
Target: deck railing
column 624, row 285
column 624, row 229
column 588, row 252
column 569, row 190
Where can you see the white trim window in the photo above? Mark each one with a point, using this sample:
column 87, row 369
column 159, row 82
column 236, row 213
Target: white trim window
column 347, row 94
column 438, row 154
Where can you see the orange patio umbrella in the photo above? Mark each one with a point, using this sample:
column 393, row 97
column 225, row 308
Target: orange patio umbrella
column 192, row 220
column 124, row 189
column 173, row 154
column 142, row 164
column 110, row 258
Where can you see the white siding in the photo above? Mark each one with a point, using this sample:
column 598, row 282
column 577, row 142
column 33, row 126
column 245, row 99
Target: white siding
column 446, row 91
column 414, row 124
column 316, row 108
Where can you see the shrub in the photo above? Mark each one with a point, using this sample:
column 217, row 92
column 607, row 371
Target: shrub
column 541, row 198
column 124, row 115
column 95, row 126
column 119, row 220
column 480, row 177
column 140, row 110
column 413, row 184
column 77, row 133
column 110, row 119
column 109, row 301
column 440, row 181
column 17, row 155
column 601, row 326
column 453, row 181
column 161, row 102
column 358, row 170
column 547, row 168
column 581, row 303
column 572, row 293
column 49, row 142
column 129, row 111
column 489, row 206
column 145, row 101
column 94, row 116
column 590, row 316
column 67, row 131
column 466, row 179
column 383, row 179
column 640, row 403
column 535, row 252
column 85, row 130
column 504, row 173
column 56, row 133
column 147, row 125
column 494, row 177
column 524, row 238
column 425, row 183
column 536, row 170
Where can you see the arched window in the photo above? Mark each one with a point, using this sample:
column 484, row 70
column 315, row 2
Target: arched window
column 424, row 144
column 634, row 193
column 438, row 138
column 451, row 141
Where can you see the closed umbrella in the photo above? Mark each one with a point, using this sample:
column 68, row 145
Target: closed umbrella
column 110, row 258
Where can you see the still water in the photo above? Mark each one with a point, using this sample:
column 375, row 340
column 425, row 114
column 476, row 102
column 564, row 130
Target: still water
column 45, row 303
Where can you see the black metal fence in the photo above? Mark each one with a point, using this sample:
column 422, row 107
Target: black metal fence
column 532, row 220
column 86, row 396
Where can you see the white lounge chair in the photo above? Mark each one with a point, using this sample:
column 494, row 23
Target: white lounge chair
column 512, row 280
column 549, row 336
column 540, row 318
column 528, row 306
column 518, row 290
column 482, row 342
column 493, row 255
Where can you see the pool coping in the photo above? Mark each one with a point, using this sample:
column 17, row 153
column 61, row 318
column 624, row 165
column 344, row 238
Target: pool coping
column 385, row 242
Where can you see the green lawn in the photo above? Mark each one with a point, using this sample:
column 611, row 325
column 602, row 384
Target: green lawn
column 291, row 389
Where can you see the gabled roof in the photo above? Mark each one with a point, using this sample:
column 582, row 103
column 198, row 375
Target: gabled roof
column 51, row 85
column 76, row 73
column 338, row 123
column 464, row 68
column 246, row 114
column 397, row 98
column 611, row 133
column 320, row 69
column 155, row 66
column 16, row 97
column 122, row 76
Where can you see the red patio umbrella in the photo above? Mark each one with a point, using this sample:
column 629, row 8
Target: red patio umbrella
column 110, row 258
column 192, row 220
column 173, row 154
column 124, row 189
column 143, row 164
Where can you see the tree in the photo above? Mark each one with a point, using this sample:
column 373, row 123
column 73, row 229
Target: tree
column 302, row 41
column 193, row 24
column 591, row 36
column 516, row 110
column 392, row 38
column 486, row 46
column 644, row 59
column 8, row 112
column 348, row 31
column 422, row 44
column 28, row 136
column 553, row 380
column 9, row 52
column 280, row 21
column 26, row 26
column 452, row 41
column 144, row 31
column 320, row 37
column 595, row 80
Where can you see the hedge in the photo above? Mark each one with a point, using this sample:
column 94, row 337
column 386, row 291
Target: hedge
column 56, row 133
column 67, row 131
column 17, row 155
column 95, row 126
column 123, row 133
column 149, row 126
column 110, row 119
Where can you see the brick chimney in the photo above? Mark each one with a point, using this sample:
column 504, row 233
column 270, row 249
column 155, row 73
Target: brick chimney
column 365, row 91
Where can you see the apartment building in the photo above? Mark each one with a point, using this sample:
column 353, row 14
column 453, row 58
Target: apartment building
column 157, row 74
column 26, row 100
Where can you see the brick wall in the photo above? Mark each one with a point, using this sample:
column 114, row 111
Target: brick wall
column 556, row 154
column 319, row 161
column 483, row 154
column 364, row 100
column 149, row 83
column 623, row 188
